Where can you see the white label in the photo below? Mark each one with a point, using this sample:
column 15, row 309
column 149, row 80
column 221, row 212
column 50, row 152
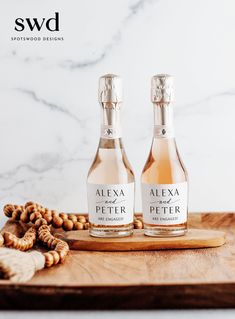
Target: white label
column 165, row 204
column 111, row 204
column 110, row 132
column 163, row 131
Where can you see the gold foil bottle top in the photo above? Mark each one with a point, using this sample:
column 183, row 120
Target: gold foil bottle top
column 110, row 88
column 162, row 88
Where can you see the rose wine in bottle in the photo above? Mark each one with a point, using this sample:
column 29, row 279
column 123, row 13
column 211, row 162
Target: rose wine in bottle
column 164, row 178
column 110, row 182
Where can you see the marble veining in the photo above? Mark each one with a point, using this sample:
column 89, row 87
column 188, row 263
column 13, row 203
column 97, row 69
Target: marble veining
column 51, row 106
column 134, row 8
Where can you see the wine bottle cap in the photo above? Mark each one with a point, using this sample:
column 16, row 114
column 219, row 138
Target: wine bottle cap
column 162, row 88
column 110, row 88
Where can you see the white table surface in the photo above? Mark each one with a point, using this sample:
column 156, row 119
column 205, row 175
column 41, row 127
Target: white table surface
column 167, row 314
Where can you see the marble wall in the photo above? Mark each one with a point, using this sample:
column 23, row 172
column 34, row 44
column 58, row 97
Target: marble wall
column 49, row 115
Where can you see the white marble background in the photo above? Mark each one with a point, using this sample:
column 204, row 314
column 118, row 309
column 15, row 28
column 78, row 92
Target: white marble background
column 49, row 115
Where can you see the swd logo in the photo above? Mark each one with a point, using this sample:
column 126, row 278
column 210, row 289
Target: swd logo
column 37, row 24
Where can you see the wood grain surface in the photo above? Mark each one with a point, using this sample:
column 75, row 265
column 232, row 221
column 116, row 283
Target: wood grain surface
column 195, row 238
column 195, row 278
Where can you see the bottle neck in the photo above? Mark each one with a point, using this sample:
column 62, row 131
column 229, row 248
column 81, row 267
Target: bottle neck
column 110, row 121
column 163, row 120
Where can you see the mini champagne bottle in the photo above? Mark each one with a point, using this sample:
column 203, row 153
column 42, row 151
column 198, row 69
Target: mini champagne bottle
column 164, row 178
column 110, row 182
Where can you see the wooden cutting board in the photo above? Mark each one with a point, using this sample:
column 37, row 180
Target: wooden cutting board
column 186, row 278
column 195, row 238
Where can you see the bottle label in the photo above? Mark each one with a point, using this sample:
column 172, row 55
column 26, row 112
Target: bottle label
column 163, row 131
column 110, row 132
column 111, row 204
column 165, row 204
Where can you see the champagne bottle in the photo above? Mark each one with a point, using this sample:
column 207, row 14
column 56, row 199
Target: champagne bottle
column 110, row 182
column 164, row 177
